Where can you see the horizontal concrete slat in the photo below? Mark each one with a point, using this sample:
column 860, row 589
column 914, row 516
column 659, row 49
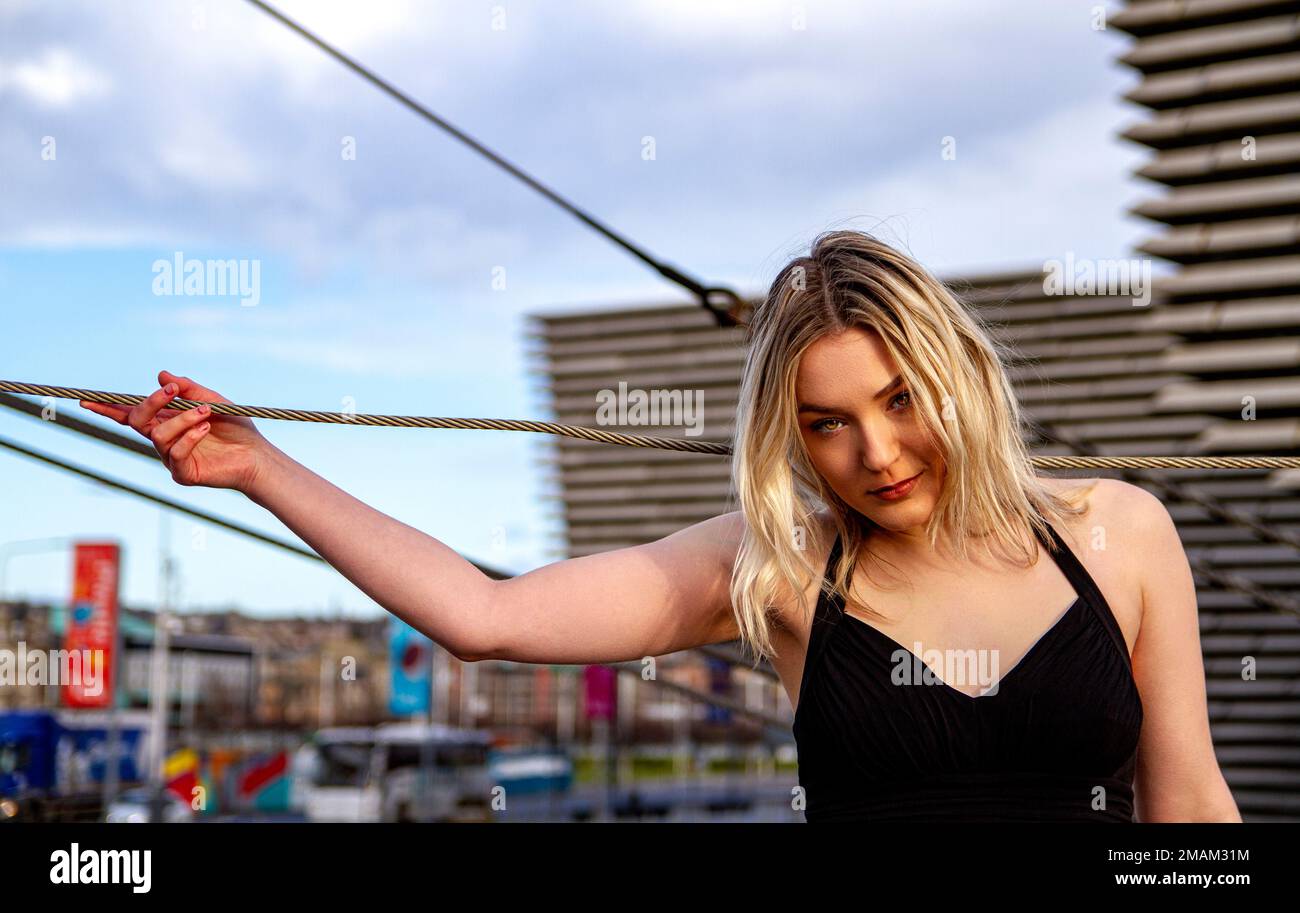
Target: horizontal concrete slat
column 1165, row 15
column 1259, row 436
column 1226, row 159
column 1202, row 202
column 1228, row 395
column 1240, row 237
column 1233, row 355
column 1204, row 317
column 1189, row 86
column 1217, row 278
column 1193, row 45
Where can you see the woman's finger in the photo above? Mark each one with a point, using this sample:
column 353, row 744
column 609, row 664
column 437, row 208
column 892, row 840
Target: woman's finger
column 110, row 410
column 166, row 433
column 142, row 414
column 119, row 413
column 181, row 450
column 189, row 389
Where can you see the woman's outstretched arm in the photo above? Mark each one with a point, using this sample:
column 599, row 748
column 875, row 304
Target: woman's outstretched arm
column 647, row 600
column 410, row 574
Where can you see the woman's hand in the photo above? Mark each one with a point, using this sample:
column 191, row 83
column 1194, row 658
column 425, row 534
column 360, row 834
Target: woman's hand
column 197, row 447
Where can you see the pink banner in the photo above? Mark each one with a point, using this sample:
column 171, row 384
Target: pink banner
column 600, row 692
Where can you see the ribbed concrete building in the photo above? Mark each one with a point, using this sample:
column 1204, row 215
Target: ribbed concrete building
column 618, row 496
column 1220, row 80
column 1208, row 366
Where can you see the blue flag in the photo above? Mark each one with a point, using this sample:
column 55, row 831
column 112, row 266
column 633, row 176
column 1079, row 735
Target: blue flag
column 410, row 657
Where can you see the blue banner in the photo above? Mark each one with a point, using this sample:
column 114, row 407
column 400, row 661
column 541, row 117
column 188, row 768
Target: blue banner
column 410, row 657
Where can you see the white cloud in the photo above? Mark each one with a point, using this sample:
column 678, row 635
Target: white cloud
column 239, row 144
column 360, row 25
column 365, row 339
column 55, row 79
column 1006, row 200
column 690, row 19
column 65, row 234
column 727, row 23
column 769, row 85
column 200, row 152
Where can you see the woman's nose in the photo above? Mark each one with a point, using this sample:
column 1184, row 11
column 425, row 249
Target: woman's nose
column 880, row 450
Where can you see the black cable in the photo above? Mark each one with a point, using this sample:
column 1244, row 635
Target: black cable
column 140, row 448
column 157, row 499
column 60, row 417
column 732, row 316
column 182, row 508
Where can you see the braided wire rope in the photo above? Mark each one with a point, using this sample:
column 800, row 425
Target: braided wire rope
column 600, row 435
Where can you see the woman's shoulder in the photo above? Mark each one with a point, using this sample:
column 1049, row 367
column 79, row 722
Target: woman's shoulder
column 1110, row 503
column 1126, row 539
column 1123, row 531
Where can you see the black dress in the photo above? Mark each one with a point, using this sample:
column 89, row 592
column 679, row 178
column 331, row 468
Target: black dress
column 1054, row 739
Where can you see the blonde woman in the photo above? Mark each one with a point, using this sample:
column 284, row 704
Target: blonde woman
column 962, row 639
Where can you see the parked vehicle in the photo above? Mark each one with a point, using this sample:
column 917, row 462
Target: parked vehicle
column 53, row 762
column 394, row 772
column 530, row 770
column 135, row 806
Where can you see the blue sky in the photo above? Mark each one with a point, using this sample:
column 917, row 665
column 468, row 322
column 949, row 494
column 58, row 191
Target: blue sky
column 206, row 128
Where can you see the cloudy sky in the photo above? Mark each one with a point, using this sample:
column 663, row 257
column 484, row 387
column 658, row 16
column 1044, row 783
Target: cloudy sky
column 132, row 131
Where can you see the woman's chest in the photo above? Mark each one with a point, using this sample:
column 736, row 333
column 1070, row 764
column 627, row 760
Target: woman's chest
column 997, row 615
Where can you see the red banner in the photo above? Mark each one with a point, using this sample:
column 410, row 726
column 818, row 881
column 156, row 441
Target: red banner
column 92, row 624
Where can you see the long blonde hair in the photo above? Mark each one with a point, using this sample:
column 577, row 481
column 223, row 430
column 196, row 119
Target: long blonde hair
column 964, row 399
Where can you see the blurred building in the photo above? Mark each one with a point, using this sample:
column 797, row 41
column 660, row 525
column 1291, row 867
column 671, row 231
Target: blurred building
column 229, row 672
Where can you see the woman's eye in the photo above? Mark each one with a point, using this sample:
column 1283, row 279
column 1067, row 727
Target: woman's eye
column 821, row 425
column 902, row 399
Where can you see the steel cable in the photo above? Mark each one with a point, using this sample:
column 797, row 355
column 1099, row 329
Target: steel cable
column 603, row 436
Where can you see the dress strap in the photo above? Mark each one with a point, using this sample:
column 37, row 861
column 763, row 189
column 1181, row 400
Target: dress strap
column 1086, row 587
column 823, row 620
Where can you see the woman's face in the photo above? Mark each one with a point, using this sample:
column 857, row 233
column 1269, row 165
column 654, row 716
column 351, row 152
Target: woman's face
column 862, row 432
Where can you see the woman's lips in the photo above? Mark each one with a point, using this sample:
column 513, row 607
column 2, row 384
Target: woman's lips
column 895, row 492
